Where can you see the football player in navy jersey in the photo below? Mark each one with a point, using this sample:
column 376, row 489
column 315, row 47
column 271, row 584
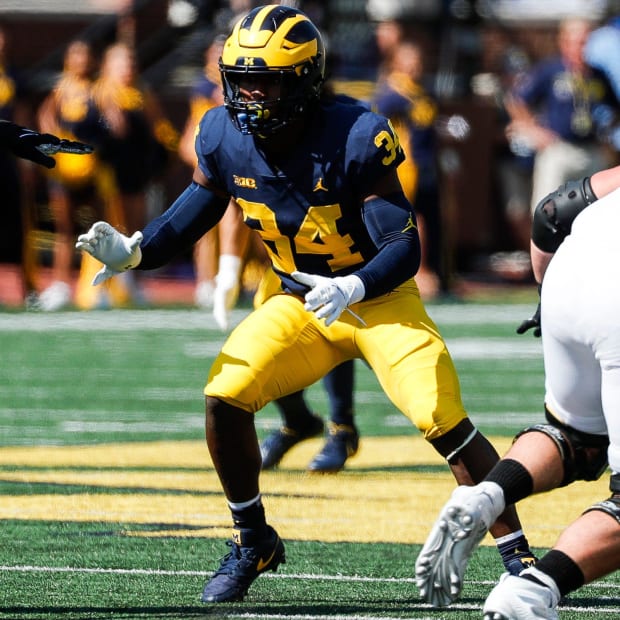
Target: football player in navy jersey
column 317, row 180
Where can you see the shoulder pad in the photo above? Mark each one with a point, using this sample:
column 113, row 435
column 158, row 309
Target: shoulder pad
column 554, row 214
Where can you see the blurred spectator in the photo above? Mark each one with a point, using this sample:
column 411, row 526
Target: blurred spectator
column 138, row 140
column 516, row 163
column 68, row 112
column 357, row 50
column 603, row 51
column 560, row 111
column 404, row 100
column 15, row 176
column 217, row 254
column 505, row 65
column 139, row 137
column 206, row 93
column 388, row 36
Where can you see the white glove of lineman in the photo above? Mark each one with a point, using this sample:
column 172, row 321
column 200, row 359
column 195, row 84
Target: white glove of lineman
column 117, row 252
column 226, row 289
column 329, row 297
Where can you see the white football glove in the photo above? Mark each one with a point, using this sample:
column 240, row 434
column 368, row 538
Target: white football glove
column 226, row 289
column 117, row 252
column 329, row 297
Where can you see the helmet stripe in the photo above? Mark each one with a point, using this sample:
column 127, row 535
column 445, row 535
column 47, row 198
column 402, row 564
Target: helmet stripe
column 267, row 18
column 258, row 23
column 260, row 30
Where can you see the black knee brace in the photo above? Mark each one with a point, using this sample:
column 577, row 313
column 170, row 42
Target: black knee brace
column 584, row 455
column 610, row 506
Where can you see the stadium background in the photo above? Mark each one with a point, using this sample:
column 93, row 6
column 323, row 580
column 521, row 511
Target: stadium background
column 460, row 40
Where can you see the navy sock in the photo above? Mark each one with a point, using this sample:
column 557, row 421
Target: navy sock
column 294, row 411
column 339, row 384
column 250, row 518
column 516, row 554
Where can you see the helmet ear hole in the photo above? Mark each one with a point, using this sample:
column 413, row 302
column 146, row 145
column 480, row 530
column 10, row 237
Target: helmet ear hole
column 272, row 40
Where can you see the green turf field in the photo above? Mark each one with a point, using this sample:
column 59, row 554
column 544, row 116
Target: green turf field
column 110, row 507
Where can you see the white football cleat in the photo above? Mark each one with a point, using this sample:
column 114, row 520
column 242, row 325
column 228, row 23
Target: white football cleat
column 462, row 524
column 515, row 598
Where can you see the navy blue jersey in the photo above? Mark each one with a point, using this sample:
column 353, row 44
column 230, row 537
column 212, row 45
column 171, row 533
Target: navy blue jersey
column 308, row 207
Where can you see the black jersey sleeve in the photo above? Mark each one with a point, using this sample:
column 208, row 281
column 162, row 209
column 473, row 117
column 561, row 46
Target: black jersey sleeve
column 392, row 226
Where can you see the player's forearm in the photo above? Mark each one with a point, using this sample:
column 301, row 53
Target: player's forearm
column 391, row 224
column 194, row 212
column 396, row 262
column 540, row 261
column 605, row 181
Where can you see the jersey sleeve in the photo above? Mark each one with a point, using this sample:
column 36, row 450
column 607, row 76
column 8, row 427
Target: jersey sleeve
column 208, row 138
column 373, row 149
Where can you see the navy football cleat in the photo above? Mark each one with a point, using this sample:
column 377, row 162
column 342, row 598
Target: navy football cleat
column 276, row 445
column 342, row 443
column 247, row 559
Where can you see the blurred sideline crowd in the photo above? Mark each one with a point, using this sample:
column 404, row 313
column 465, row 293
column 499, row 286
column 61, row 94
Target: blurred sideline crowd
column 551, row 103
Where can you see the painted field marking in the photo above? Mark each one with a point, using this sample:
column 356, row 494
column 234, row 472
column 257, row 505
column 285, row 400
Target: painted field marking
column 401, row 482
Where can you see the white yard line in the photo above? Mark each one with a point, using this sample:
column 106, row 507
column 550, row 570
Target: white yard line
column 301, row 576
column 26, row 568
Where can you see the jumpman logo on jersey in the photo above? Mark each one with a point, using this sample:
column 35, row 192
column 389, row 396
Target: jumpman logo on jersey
column 319, row 186
column 410, row 225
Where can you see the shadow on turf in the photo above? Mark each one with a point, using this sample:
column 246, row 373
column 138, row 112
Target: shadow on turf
column 378, row 607
column 426, row 468
column 93, row 613
column 225, row 611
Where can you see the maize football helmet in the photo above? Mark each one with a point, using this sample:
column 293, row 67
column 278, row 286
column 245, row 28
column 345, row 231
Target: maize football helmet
column 281, row 45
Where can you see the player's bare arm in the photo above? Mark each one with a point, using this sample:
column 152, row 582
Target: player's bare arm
column 605, row 181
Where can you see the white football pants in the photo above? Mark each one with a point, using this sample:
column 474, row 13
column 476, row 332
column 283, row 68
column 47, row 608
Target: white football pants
column 581, row 336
